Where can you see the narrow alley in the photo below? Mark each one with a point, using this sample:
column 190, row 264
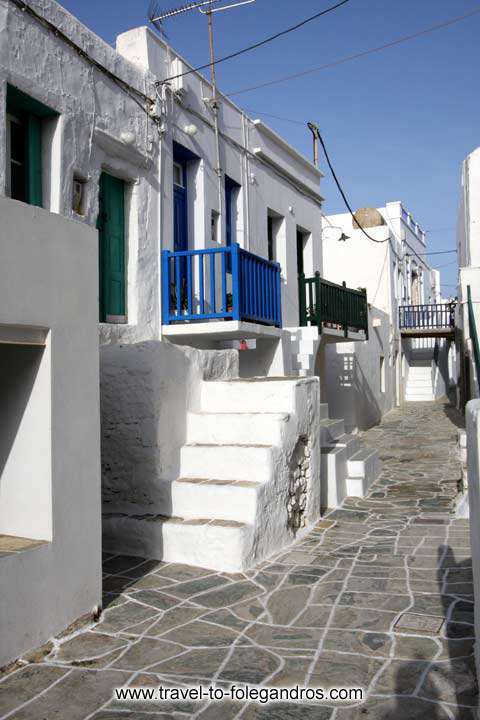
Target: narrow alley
column 378, row 596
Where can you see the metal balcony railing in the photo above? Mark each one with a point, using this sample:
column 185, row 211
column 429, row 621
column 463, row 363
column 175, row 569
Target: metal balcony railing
column 218, row 283
column 440, row 316
column 323, row 302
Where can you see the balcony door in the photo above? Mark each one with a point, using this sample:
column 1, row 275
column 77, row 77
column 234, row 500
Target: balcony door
column 180, row 223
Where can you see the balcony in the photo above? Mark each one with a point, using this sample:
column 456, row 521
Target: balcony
column 203, row 289
column 437, row 320
column 335, row 309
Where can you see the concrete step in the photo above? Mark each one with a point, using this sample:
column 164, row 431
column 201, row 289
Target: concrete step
column 278, row 395
column 419, row 398
column 216, row 544
column 227, row 462
column 333, row 475
column 363, row 468
column 350, row 442
column 331, row 430
column 226, row 499
column 236, row 428
column 323, row 411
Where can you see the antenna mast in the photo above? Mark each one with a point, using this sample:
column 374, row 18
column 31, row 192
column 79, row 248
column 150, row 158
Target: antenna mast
column 157, row 17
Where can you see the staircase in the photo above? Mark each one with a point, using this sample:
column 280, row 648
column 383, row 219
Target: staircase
column 228, row 509
column 305, row 341
column 419, row 383
column 261, row 460
column 347, row 467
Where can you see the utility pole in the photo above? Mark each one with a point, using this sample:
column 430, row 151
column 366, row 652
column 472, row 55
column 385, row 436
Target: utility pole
column 156, row 18
column 313, row 127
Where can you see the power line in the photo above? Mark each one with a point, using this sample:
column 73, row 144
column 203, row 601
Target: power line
column 356, row 56
column 436, row 252
column 454, row 262
column 340, row 190
column 256, row 45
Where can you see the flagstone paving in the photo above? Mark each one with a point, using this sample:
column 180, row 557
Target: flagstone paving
column 378, row 595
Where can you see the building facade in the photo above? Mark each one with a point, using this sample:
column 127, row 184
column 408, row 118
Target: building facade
column 212, row 305
column 468, row 252
column 366, row 380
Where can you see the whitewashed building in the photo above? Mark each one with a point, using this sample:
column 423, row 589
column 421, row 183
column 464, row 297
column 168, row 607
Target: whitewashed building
column 406, row 358
column 211, row 454
column 50, row 494
column 468, row 252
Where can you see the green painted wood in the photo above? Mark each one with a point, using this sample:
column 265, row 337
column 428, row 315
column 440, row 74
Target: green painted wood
column 111, row 226
column 18, row 101
column 34, row 193
column 473, row 333
column 29, row 113
column 321, row 301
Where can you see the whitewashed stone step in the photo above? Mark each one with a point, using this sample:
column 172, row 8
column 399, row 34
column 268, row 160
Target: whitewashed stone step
column 350, row 442
column 276, row 395
column 227, row 462
column 324, row 411
column 333, row 476
column 216, row 544
column 226, row 500
column 331, row 430
column 364, row 465
column 363, row 462
column 236, row 428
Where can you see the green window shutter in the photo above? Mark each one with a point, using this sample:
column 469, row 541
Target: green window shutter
column 111, row 225
column 34, row 160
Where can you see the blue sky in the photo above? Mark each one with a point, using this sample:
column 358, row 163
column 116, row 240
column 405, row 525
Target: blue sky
column 397, row 123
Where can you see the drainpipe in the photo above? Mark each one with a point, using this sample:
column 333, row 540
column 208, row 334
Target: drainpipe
column 246, row 182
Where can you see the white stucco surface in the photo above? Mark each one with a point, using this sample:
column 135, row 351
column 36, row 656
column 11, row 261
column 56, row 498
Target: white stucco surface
column 468, row 247
column 49, row 439
column 394, row 272
column 473, row 469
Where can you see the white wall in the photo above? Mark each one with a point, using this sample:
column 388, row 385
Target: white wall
column 473, row 469
column 350, row 377
column 468, row 246
column 25, row 441
column 146, row 391
column 49, row 281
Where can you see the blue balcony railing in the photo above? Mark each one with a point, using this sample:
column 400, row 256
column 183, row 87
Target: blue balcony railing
column 220, row 283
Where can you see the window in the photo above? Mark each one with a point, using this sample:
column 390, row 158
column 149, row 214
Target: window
column 276, row 240
column 178, row 175
column 78, row 195
column 382, row 374
column 214, row 227
column 301, row 243
column 271, row 239
column 25, row 117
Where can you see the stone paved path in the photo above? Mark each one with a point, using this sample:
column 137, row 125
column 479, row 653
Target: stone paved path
column 378, row 596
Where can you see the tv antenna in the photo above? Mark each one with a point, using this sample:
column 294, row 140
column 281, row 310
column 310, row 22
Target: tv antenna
column 157, row 16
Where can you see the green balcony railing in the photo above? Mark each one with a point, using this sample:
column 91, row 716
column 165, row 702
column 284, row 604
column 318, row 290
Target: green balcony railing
column 323, row 302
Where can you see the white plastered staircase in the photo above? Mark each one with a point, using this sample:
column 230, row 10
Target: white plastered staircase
column 228, row 508
column 419, row 383
column 347, row 467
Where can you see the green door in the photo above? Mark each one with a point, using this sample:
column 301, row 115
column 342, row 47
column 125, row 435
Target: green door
column 111, row 227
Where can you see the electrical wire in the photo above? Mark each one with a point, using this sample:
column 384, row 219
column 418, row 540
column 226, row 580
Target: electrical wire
column 355, row 56
column 256, row 45
column 436, row 252
column 342, row 193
